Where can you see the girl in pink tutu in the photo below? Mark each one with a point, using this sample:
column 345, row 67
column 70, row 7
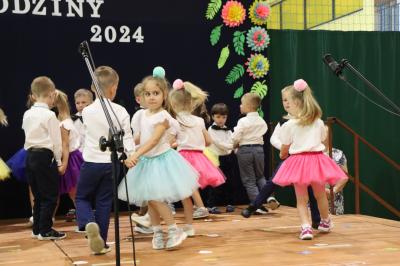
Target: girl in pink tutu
column 193, row 137
column 307, row 165
column 71, row 156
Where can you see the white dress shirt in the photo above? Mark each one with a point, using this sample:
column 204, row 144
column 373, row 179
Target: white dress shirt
column 74, row 137
column 81, row 130
column 250, row 130
column 96, row 126
column 222, row 143
column 303, row 138
column 42, row 130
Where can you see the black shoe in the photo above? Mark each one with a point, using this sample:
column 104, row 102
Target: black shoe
column 315, row 224
column 52, row 235
column 214, row 210
column 246, row 213
column 230, row 208
column 261, row 210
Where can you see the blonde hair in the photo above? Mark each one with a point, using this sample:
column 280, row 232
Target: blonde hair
column 61, row 102
column 186, row 99
column 42, row 86
column 107, row 78
column 309, row 107
column 138, row 89
column 161, row 83
column 84, row 93
column 252, row 99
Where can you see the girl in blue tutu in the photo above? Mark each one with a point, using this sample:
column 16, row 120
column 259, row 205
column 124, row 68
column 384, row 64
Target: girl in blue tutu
column 71, row 156
column 158, row 173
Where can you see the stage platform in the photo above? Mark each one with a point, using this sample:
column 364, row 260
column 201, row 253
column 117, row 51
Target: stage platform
column 225, row 239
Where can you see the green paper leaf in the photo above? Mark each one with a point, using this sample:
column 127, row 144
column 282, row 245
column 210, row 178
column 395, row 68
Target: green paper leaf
column 236, row 72
column 238, row 42
column 260, row 112
column 213, row 8
column 260, row 88
column 223, row 56
column 215, row 35
column 238, row 92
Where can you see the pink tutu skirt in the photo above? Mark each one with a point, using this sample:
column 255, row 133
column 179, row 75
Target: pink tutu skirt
column 209, row 174
column 70, row 179
column 308, row 167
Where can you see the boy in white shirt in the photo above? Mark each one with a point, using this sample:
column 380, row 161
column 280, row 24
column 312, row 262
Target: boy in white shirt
column 43, row 145
column 95, row 181
column 248, row 136
column 220, row 154
column 83, row 98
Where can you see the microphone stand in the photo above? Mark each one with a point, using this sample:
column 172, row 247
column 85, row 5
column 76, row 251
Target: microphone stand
column 345, row 63
column 114, row 143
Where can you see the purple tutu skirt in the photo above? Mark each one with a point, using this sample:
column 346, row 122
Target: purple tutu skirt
column 307, row 168
column 17, row 165
column 70, row 179
column 209, row 174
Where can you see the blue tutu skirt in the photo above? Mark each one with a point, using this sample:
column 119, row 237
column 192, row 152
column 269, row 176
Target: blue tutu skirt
column 17, row 165
column 167, row 177
column 70, row 179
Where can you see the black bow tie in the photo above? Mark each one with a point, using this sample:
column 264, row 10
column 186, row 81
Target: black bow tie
column 215, row 127
column 75, row 117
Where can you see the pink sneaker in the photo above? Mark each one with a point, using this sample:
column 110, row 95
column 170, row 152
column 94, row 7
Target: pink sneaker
column 325, row 226
column 306, row 233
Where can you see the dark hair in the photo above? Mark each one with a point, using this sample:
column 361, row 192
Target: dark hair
column 219, row 109
column 201, row 111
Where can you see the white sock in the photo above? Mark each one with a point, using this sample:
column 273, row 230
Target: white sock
column 172, row 227
column 157, row 228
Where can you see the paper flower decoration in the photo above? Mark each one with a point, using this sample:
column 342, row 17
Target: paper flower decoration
column 259, row 12
column 233, row 14
column 257, row 66
column 257, row 39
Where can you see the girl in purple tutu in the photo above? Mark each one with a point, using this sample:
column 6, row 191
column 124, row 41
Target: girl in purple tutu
column 193, row 137
column 71, row 156
column 307, row 165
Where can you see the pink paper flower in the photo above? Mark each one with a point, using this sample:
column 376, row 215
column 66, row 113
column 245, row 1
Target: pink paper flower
column 233, row 13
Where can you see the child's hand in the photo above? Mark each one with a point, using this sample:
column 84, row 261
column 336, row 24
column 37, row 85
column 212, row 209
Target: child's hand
column 174, row 145
column 62, row 169
column 132, row 160
column 283, row 156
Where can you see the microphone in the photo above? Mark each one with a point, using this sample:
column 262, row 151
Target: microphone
column 333, row 65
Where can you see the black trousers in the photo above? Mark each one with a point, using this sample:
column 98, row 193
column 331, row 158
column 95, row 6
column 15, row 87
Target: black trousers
column 43, row 178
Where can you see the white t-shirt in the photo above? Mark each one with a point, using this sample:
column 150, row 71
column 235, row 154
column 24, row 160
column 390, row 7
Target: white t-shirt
column 147, row 123
column 303, row 138
column 135, row 121
column 74, row 137
column 190, row 136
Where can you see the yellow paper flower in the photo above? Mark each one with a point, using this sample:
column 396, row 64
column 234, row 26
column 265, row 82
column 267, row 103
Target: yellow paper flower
column 233, row 14
column 257, row 66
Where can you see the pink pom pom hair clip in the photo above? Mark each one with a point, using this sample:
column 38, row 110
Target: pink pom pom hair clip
column 178, row 84
column 300, row 85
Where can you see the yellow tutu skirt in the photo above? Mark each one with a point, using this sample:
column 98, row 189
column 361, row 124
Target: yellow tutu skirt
column 4, row 170
column 214, row 158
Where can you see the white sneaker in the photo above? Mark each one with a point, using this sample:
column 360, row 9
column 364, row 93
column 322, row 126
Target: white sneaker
column 158, row 240
column 103, row 251
column 201, row 212
column 34, row 236
column 261, row 211
column 175, row 238
column 143, row 230
column 96, row 243
column 189, row 230
column 142, row 220
column 272, row 203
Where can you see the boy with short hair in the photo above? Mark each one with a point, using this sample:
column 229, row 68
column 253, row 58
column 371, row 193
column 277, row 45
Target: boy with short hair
column 43, row 145
column 248, row 136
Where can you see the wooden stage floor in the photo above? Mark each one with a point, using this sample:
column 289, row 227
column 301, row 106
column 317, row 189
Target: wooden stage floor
column 226, row 239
